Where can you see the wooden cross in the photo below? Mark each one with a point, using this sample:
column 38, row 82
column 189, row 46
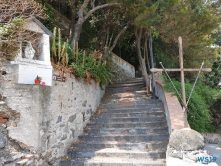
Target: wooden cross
column 181, row 69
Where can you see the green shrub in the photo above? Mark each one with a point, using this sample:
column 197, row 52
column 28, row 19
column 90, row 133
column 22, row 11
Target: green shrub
column 69, row 60
column 87, row 67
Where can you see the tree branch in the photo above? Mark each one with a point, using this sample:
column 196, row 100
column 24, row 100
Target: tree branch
column 97, row 8
column 82, row 9
column 114, row 43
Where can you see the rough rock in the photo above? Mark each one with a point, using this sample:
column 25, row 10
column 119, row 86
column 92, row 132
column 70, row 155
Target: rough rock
column 186, row 139
column 2, row 141
column 185, row 147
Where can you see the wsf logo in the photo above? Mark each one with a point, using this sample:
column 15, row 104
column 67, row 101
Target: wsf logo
column 206, row 159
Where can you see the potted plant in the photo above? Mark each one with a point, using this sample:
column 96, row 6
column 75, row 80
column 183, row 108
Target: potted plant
column 38, row 80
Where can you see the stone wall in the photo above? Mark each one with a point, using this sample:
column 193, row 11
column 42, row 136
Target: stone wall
column 121, row 69
column 173, row 110
column 212, row 138
column 43, row 120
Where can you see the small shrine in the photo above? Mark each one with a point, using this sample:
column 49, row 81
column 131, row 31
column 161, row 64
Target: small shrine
column 33, row 56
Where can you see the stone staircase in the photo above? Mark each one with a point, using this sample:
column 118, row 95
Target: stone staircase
column 129, row 129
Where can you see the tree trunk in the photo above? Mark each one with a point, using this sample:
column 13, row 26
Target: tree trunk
column 141, row 60
column 138, row 44
column 73, row 17
column 79, row 24
column 77, row 30
column 82, row 18
column 146, row 54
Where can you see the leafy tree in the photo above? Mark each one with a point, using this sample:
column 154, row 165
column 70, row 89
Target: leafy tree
column 193, row 20
column 217, row 36
column 194, row 23
column 212, row 79
column 84, row 13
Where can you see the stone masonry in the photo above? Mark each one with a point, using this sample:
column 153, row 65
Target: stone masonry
column 40, row 120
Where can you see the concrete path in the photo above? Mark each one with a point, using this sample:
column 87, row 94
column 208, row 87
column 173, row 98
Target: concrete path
column 215, row 151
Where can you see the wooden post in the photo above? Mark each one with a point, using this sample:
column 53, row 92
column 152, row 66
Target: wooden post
column 182, row 81
column 181, row 70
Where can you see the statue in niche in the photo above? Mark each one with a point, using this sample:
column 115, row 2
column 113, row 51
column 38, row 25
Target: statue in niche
column 29, row 51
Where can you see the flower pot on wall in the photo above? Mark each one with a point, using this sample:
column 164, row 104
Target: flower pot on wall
column 37, row 82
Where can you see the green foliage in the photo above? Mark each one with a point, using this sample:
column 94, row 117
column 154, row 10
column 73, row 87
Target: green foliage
column 217, row 35
column 69, row 60
column 192, row 20
column 51, row 15
column 9, row 34
column 199, row 116
column 59, row 50
column 164, row 53
column 212, row 79
column 87, row 67
column 184, row 22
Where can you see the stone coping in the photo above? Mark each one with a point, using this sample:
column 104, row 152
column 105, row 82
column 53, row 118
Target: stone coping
column 119, row 58
column 25, row 61
column 176, row 113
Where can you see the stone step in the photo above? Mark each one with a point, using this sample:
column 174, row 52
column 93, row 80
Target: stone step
column 128, row 124
column 130, row 81
column 142, row 146
column 126, row 88
column 126, row 95
column 114, row 161
column 142, row 113
column 134, row 80
column 131, row 105
column 114, row 152
column 130, row 108
column 162, row 130
column 127, row 84
column 145, row 99
column 130, row 119
column 125, row 137
column 136, row 100
column 126, row 110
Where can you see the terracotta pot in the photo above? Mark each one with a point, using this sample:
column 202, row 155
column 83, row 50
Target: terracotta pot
column 37, row 82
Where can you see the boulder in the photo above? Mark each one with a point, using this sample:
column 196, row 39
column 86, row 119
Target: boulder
column 186, row 140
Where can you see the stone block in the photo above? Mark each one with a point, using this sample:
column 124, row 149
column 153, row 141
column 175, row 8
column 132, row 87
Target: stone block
column 2, row 120
column 2, row 141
